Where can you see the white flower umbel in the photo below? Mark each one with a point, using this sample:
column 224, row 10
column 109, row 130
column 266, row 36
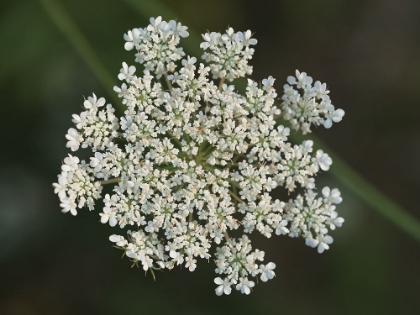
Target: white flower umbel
column 305, row 104
column 228, row 53
column 193, row 163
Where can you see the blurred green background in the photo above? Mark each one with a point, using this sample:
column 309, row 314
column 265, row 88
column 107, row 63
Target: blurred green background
column 368, row 52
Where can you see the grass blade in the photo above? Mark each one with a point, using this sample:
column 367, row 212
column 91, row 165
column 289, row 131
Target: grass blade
column 366, row 191
column 79, row 42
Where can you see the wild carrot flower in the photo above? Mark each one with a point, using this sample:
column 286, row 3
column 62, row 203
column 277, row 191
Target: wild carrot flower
column 194, row 163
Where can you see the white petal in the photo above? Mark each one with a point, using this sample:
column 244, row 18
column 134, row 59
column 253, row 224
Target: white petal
column 218, row 281
column 271, row 265
column 338, row 222
column 338, row 115
column 328, row 239
column 328, row 123
column 87, row 104
column 264, row 277
column 113, row 221
column 322, row 247
column 129, row 46
column 204, row 45
column 311, row 242
column 100, row 102
column 104, row 218
column 219, row 290
column 115, row 238
column 291, row 80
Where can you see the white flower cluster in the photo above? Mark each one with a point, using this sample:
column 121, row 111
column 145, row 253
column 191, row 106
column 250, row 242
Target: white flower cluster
column 304, row 104
column 228, row 53
column 157, row 45
column 193, row 163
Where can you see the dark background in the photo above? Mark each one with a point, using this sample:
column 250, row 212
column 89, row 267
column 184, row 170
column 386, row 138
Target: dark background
column 368, row 52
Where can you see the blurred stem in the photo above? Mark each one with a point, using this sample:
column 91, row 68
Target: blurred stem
column 110, row 181
column 79, row 42
column 340, row 170
column 236, row 197
column 222, row 80
column 366, row 191
column 167, row 81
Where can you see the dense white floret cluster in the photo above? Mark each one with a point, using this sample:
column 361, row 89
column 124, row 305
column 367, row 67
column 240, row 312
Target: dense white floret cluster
column 228, row 54
column 193, row 163
column 305, row 104
column 156, row 45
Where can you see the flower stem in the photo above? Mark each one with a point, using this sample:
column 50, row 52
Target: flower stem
column 222, row 80
column 167, row 81
column 111, row 181
column 235, row 196
column 366, row 191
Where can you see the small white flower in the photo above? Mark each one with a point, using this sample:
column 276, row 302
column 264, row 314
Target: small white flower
column 178, row 30
column 97, row 162
column 126, row 72
column 267, row 272
column 131, row 38
column 268, row 82
column 320, row 89
column 190, row 263
column 336, row 221
column 324, row 243
column 303, row 80
column 70, row 163
column 108, row 216
column 245, row 286
column 224, row 286
column 93, row 103
column 176, row 257
column 118, row 239
column 74, row 139
column 333, row 195
column 281, row 228
column 60, row 187
column 323, row 159
column 68, row 205
column 338, row 115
